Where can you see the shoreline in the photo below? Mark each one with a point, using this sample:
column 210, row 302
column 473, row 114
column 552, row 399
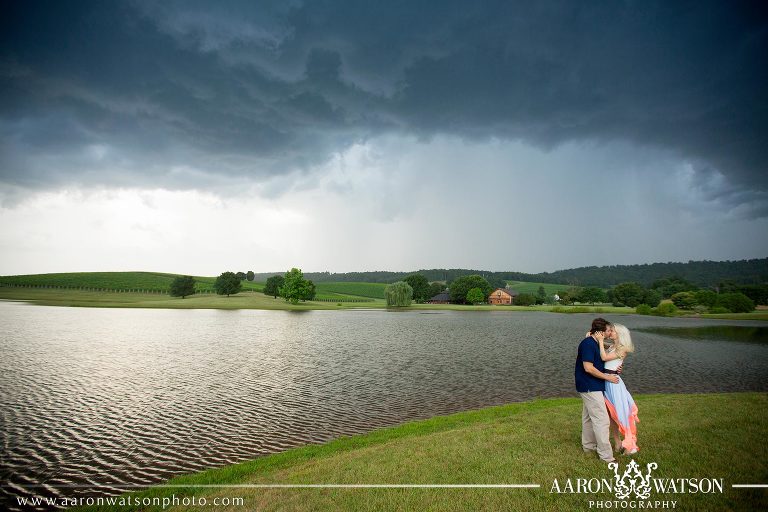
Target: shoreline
column 259, row 301
column 518, row 443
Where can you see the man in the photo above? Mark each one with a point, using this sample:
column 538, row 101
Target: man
column 590, row 383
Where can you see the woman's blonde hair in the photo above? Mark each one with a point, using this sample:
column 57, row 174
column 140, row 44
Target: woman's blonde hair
column 624, row 343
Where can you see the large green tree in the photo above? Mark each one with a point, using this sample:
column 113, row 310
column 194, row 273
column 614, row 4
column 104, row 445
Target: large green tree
column 628, row 294
column 684, row 300
column 706, row 298
column 735, row 302
column 459, row 288
column 672, row 285
column 420, row 287
column 398, row 294
column 250, row 275
column 227, row 284
column 273, row 285
column 496, row 281
column 295, row 288
column 182, row 286
column 652, row 298
column 434, row 289
column 476, row 296
column 592, row 295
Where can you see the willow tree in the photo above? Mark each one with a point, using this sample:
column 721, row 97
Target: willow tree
column 398, row 294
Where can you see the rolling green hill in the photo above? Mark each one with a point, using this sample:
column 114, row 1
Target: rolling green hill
column 142, row 281
column 158, row 282
column 370, row 290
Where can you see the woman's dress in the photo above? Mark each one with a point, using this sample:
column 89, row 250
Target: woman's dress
column 622, row 408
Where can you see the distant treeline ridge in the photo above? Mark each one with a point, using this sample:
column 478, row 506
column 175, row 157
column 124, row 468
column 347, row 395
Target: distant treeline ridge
column 702, row 273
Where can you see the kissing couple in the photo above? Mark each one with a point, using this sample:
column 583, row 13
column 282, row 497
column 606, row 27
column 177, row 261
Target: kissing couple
column 608, row 408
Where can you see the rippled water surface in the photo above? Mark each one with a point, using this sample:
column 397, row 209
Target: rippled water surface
column 102, row 398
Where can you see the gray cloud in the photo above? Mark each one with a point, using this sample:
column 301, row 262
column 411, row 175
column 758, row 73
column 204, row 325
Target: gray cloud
column 130, row 94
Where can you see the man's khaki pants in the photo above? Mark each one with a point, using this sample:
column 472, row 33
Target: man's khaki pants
column 595, row 425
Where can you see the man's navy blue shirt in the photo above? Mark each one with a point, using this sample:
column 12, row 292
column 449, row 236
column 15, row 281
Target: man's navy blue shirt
column 590, row 352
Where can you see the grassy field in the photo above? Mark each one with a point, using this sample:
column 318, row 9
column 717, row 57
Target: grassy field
column 371, row 290
column 156, row 281
column 520, row 443
column 242, row 300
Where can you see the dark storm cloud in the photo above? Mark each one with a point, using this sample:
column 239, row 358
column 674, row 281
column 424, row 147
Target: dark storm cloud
column 125, row 93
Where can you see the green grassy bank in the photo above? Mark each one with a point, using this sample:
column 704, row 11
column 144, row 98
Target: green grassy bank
column 257, row 300
column 688, row 436
column 247, row 300
column 242, row 300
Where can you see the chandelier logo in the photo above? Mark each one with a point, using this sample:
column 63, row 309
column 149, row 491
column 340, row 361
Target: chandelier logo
column 632, row 481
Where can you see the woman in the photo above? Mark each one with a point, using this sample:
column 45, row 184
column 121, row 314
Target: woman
column 621, row 406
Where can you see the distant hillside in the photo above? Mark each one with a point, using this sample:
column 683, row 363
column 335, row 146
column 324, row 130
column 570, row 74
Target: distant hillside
column 156, row 282
column 371, row 284
column 150, row 281
column 382, row 276
column 701, row 273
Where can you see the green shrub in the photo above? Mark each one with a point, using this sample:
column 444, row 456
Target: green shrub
column 684, row 300
column 652, row 298
column 643, row 309
column 665, row 309
column 630, row 294
column 706, row 298
column 524, row 299
column 736, row 302
column 719, row 310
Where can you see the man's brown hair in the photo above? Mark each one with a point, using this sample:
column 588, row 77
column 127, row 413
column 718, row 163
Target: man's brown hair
column 599, row 325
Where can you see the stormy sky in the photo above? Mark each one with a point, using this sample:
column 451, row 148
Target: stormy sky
column 197, row 137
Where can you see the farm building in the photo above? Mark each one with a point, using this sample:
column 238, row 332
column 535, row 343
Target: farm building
column 502, row 296
column 440, row 298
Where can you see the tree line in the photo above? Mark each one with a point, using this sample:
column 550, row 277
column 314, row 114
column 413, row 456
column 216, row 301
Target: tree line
column 677, row 293
column 701, row 273
column 292, row 286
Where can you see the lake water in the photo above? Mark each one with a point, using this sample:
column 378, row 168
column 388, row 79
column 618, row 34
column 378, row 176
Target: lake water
column 103, row 398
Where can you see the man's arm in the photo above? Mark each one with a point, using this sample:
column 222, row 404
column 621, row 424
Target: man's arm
column 590, row 369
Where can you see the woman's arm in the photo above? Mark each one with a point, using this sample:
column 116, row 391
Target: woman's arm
column 603, row 354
